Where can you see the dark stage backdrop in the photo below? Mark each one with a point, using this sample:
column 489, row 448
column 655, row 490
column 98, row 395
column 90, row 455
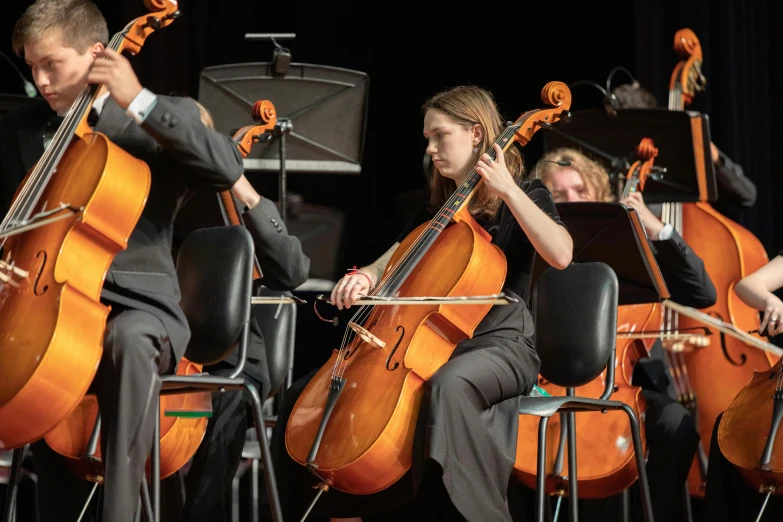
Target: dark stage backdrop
column 413, row 50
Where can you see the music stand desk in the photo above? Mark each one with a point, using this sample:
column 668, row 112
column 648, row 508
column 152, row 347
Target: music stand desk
column 611, row 233
column 682, row 139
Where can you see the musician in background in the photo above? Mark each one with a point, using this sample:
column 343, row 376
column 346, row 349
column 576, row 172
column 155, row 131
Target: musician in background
column 728, row 497
column 64, row 43
column 672, row 436
column 284, row 267
column 735, row 191
column 466, row 430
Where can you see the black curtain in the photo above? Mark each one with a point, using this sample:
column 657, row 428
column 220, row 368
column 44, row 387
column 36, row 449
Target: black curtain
column 413, row 50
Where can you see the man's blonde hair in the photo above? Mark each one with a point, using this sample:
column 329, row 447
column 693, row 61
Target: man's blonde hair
column 595, row 177
column 79, row 22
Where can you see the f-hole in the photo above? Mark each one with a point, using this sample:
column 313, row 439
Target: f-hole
column 724, row 348
column 388, row 359
column 36, row 289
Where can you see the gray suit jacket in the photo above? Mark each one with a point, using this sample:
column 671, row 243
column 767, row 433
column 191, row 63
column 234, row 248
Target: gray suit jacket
column 182, row 155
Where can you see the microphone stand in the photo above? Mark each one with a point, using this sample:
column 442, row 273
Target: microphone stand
column 282, row 128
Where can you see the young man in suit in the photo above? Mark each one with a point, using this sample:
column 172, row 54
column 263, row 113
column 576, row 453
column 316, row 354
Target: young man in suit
column 64, row 43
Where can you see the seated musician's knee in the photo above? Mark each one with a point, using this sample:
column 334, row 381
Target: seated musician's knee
column 675, row 422
column 134, row 337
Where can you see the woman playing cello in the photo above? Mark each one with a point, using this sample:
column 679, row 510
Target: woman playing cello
column 465, row 440
column 728, row 497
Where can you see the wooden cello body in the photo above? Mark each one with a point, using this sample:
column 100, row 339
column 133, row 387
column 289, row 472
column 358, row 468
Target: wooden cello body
column 746, row 426
column 384, row 386
column 353, row 424
column 52, row 320
column 729, row 252
column 605, row 453
column 52, row 325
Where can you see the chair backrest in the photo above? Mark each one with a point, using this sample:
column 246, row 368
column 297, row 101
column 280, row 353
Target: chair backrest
column 215, row 273
column 575, row 313
column 279, row 336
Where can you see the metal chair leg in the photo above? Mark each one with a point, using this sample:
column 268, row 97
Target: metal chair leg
column 235, row 482
column 9, row 513
column 541, row 470
column 146, row 503
column 644, row 486
column 626, row 498
column 266, row 454
column 155, row 466
column 87, row 502
column 687, row 512
column 254, row 490
column 573, row 494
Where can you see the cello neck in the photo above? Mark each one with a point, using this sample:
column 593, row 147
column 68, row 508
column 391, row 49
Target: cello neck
column 231, row 216
column 455, row 209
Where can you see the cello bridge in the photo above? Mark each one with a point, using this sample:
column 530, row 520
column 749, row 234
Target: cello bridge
column 367, row 336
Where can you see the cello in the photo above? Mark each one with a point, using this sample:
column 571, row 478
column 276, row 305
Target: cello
column 605, row 455
column 749, row 433
column 353, row 424
column 181, row 432
column 70, row 217
column 263, row 112
column 709, row 379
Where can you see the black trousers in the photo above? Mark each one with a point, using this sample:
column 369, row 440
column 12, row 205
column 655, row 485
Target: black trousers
column 136, row 350
column 208, row 481
column 728, row 498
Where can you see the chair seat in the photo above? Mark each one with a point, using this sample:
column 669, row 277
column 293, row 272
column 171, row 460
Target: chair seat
column 548, row 406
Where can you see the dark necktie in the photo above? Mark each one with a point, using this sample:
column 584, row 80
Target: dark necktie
column 55, row 121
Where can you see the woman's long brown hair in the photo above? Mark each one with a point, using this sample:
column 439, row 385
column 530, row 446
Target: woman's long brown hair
column 468, row 106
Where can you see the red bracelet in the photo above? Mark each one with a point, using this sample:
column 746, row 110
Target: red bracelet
column 356, row 271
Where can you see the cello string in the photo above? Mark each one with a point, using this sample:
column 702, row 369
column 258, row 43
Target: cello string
column 397, row 274
column 463, row 191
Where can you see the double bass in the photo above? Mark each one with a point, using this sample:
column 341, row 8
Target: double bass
column 183, row 417
column 605, row 455
column 709, row 379
column 353, row 424
column 73, row 213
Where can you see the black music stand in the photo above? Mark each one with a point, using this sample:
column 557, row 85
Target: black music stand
column 611, row 233
column 321, row 114
column 672, row 133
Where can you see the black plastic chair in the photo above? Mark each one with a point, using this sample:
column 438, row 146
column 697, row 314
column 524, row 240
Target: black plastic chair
column 575, row 312
column 214, row 268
